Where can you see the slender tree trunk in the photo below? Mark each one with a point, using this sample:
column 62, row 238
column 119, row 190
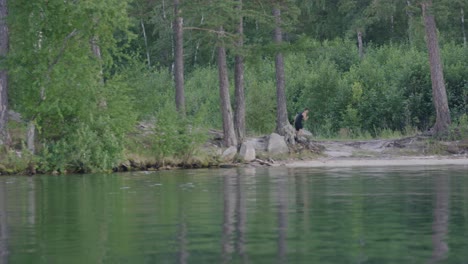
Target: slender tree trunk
column 179, row 59
column 360, row 45
column 95, row 48
column 462, row 17
column 392, row 27
column 410, row 24
column 97, row 53
column 226, row 109
column 197, row 46
column 239, row 115
column 4, row 45
column 31, row 137
column 439, row 93
column 148, row 57
column 283, row 127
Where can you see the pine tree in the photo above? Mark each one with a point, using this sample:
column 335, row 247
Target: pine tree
column 439, row 93
column 4, row 44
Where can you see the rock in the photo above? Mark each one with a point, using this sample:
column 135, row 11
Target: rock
column 306, row 133
column 277, row 145
column 453, row 149
column 259, row 144
column 247, row 152
column 229, row 154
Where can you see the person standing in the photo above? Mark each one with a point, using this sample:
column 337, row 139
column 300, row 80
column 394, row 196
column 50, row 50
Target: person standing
column 298, row 121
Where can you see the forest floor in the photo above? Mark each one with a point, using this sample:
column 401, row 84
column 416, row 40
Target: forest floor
column 417, row 150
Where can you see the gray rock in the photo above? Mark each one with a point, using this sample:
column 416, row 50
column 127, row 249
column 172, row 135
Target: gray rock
column 229, row 154
column 259, row 144
column 277, row 144
column 247, row 152
column 307, row 133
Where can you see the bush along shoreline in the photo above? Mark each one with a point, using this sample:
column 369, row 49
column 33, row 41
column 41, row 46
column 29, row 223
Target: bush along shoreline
column 268, row 150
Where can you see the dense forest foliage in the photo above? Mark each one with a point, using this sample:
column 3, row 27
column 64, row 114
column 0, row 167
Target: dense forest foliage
column 79, row 77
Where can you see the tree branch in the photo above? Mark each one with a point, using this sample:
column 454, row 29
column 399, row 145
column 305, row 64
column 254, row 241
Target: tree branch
column 217, row 32
column 62, row 50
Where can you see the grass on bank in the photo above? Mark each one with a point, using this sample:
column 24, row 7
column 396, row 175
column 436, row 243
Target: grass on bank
column 182, row 145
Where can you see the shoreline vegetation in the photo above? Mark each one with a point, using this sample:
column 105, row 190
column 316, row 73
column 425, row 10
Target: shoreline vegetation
column 271, row 151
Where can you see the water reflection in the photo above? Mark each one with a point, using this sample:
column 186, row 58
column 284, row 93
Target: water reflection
column 241, row 213
column 280, row 176
column 183, row 253
column 441, row 218
column 248, row 215
column 234, row 215
column 3, row 224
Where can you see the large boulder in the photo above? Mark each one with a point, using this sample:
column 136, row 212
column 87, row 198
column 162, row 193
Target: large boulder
column 277, row 145
column 229, row 154
column 247, row 152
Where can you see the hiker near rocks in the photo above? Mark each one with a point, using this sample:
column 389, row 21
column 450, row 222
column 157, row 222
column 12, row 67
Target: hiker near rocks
column 298, row 121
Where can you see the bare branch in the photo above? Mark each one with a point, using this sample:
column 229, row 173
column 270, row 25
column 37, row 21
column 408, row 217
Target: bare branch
column 217, row 32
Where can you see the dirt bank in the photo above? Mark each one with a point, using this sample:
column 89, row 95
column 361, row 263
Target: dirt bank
column 410, row 151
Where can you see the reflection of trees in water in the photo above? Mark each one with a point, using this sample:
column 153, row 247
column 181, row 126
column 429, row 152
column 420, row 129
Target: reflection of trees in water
column 282, row 220
column 281, row 179
column 441, row 218
column 183, row 253
column 241, row 216
column 234, row 215
column 3, row 225
column 182, row 233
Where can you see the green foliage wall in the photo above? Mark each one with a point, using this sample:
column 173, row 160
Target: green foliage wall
column 58, row 83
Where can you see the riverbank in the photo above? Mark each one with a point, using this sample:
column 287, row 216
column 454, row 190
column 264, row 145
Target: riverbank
column 409, row 151
column 383, row 162
column 272, row 150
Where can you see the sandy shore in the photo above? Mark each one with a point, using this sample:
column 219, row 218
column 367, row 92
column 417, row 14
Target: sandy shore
column 370, row 162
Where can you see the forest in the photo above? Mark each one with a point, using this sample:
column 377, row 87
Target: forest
column 80, row 78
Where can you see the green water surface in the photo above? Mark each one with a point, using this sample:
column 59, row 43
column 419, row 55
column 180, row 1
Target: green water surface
column 244, row 215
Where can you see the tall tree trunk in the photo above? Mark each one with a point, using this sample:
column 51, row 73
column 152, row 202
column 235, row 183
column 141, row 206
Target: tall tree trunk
column 4, row 43
column 410, row 24
column 283, row 127
column 462, row 18
column 360, row 45
column 439, row 93
column 226, row 109
column 179, row 59
column 239, row 115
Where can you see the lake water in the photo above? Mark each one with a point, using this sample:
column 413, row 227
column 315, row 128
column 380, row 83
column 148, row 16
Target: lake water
column 244, row 215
